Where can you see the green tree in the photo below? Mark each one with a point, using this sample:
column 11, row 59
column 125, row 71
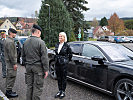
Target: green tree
column 75, row 8
column 73, row 38
column 82, row 34
column 59, row 21
column 128, row 24
column 103, row 22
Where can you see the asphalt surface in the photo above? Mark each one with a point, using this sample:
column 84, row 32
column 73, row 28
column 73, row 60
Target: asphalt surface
column 74, row 90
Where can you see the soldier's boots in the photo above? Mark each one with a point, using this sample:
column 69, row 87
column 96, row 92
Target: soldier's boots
column 11, row 94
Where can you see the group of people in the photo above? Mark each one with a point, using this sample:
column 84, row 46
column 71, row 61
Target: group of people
column 35, row 58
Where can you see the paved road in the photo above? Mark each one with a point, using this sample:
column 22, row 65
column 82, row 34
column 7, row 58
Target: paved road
column 74, row 91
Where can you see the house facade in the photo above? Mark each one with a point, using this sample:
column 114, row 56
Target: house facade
column 101, row 31
column 24, row 25
column 7, row 24
column 98, row 32
column 19, row 25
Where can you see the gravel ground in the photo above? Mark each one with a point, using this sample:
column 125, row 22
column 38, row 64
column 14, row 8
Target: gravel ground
column 74, row 90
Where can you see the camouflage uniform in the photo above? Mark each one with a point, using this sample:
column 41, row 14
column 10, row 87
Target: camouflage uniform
column 34, row 55
column 11, row 59
column 2, row 57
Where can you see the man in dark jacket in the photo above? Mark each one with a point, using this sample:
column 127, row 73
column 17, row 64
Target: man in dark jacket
column 34, row 54
column 11, row 62
column 3, row 38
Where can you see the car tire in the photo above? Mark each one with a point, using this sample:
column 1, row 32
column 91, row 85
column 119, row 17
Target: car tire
column 124, row 89
column 52, row 71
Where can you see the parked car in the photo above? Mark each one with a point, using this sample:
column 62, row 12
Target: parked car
column 19, row 41
column 103, row 38
column 107, row 67
column 125, row 39
column 117, row 39
column 106, row 38
column 110, row 39
column 130, row 38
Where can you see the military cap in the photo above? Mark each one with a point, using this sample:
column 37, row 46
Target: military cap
column 2, row 31
column 37, row 27
column 12, row 30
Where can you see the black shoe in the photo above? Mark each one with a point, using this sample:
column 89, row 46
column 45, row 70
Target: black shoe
column 62, row 95
column 11, row 94
column 4, row 76
column 58, row 94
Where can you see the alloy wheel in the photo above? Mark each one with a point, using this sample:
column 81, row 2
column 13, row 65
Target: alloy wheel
column 125, row 91
column 52, row 70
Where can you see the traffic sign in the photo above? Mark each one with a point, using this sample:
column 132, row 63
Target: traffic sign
column 79, row 35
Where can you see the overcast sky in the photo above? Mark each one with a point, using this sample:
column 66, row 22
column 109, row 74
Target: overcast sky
column 98, row 8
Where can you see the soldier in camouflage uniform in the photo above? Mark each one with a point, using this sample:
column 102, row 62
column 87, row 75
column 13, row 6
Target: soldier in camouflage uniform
column 34, row 54
column 3, row 38
column 11, row 62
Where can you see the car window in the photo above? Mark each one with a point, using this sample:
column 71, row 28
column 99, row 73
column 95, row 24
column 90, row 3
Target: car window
column 106, row 37
column 16, row 42
column 118, row 52
column 22, row 40
column 76, row 48
column 91, row 50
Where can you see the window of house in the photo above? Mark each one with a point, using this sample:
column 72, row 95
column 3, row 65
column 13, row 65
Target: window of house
column 5, row 26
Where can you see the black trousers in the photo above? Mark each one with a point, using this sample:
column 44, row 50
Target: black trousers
column 61, row 72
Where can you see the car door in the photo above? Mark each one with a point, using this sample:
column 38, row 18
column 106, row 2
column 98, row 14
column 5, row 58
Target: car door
column 89, row 70
column 72, row 65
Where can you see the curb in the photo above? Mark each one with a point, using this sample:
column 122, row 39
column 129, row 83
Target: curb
column 3, row 96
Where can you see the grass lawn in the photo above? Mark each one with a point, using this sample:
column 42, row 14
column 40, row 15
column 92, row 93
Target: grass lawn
column 91, row 39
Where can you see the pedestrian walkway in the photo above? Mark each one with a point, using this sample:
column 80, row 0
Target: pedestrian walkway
column 2, row 96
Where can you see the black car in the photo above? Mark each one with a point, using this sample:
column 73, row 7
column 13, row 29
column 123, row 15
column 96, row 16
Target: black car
column 107, row 67
column 19, row 41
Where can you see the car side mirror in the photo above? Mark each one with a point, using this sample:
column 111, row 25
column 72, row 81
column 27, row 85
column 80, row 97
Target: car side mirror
column 99, row 59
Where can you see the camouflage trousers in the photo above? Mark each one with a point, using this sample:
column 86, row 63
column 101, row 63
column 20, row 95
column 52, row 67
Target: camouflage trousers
column 11, row 76
column 34, row 78
column 3, row 65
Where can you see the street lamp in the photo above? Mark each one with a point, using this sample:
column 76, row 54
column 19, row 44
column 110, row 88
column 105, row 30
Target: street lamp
column 49, row 21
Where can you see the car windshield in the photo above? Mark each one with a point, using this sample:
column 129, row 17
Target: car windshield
column 117, row 52
column 22, row 40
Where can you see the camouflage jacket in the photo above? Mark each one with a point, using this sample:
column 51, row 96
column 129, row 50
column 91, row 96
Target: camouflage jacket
column 34, row 52
column 10, row 51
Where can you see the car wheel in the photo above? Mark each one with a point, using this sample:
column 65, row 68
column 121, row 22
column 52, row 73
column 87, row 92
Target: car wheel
column 124, row 90
column 52, row 70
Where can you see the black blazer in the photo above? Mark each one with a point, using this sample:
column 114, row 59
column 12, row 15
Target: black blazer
column 65, row 51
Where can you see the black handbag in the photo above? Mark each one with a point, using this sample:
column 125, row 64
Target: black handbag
column 61, row 60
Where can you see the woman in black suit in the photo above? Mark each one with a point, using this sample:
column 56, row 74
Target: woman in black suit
column 63, row 55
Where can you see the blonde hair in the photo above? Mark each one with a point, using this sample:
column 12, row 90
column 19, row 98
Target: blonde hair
column 64, row 34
